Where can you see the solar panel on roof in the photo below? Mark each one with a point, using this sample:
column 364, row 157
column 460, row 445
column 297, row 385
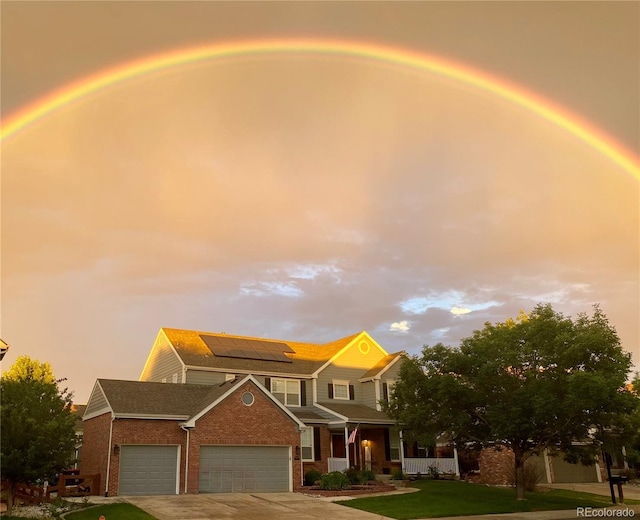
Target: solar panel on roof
column 241, row 348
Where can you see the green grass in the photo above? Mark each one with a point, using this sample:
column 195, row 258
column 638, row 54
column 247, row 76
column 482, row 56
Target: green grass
column 119, row 511
column 448, row 498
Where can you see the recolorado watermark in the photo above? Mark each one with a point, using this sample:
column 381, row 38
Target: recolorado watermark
column 597, row 512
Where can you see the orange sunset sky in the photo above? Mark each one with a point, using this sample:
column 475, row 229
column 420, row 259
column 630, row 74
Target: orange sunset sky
column 307, row 196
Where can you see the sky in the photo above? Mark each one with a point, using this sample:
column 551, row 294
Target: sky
column 308, row 196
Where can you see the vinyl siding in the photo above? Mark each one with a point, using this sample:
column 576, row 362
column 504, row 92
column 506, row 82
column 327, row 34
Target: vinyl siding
column 351, row 365
column 367, row 393
column 97, row 401
column 202, row 377
column 162, row 362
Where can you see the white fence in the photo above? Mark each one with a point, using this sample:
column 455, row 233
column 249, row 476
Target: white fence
column 422, row 466
column 336, row 464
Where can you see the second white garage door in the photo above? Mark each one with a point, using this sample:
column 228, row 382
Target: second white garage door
column 229, row 469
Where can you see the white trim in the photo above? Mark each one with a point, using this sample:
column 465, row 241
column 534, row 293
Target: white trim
column 547, row 466
column 286, row 380
column 151, row 416
column 178, row 471
column 106, row 485
column 314, row 388
column 102, row 411
column 313, row 458
column 192, row 422
column 97, row 387
column 359, row 337
column 341, row 382
column 186, row 462
column 376, row 386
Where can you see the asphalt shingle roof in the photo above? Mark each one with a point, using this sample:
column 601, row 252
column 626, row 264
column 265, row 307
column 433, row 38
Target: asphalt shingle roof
column 164, row 399
column 358, row 412
column 380, row 365
column 305, row 360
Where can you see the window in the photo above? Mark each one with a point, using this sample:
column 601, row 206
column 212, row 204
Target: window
column 341, row 390
column 306, row 443
column 287, row 391
column 394, row 443
column 390, row 384
column 175, row 378
column 164, row 379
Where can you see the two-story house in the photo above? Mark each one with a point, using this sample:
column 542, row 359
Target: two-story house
column 213, row 412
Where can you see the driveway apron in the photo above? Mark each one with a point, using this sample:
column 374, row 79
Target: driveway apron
column 246, row 506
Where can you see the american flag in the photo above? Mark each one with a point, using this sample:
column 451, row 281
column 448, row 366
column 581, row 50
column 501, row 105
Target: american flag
column 352, row 437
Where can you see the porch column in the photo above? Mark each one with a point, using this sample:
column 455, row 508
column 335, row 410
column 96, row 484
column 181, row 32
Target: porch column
column 346, row 446
column 455, row 461
column 401, row 451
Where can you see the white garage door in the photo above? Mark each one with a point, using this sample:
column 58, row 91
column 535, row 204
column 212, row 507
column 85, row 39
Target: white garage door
column 228, row 469
column 148, row 470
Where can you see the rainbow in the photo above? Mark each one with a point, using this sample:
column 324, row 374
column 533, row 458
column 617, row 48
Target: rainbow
column 401, row 57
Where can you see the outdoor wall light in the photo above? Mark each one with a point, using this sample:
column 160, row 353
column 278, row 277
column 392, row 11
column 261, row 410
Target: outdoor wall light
column 116, row 449
column 365, row 443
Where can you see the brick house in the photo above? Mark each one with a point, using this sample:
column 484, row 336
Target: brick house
column 214, row 412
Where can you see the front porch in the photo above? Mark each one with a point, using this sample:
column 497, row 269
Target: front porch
column 381, row 449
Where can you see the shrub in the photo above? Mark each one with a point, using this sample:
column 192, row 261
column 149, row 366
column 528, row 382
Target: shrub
column 532, row 474
column 368, row 475
column 311, row 477
column 354, row 475
column 335, row 480
column 397, row 474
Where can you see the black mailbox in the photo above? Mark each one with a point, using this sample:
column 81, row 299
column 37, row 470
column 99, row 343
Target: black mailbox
column 619, row 479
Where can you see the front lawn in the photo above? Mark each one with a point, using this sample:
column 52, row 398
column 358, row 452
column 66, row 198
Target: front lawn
column 449, row 498
column 119, row 511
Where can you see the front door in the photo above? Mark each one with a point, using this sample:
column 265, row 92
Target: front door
column 337, row 442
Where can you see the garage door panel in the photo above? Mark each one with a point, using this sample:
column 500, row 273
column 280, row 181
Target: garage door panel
column 148, row 470
column 225, row 469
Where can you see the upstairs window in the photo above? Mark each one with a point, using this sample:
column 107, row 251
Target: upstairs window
column 287, row 391
column 341, row 390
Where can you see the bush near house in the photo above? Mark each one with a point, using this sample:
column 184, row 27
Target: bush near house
column 334, row 481
column 311, row 477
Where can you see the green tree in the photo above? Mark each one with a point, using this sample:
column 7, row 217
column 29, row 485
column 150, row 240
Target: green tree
column 37, row 435
column 539, row 381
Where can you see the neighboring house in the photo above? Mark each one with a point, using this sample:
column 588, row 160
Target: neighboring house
column 78, row 410
column 218, row 413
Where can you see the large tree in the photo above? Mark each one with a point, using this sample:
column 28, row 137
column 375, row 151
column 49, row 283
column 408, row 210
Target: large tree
column 37, row 434
column 541, row 380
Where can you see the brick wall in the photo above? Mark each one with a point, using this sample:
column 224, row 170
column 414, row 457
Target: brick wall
column 140, row 431
column 95, row 448
column 321, row 465
column 233, row 423
column 496, row 466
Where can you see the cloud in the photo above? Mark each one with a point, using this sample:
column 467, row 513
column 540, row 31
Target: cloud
column 400, row 326
column 289, row 290
column 460, row 311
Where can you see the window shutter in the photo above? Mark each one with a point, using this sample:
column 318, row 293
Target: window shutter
column 385, row 393
column 303, row 393
column 351, row 393
column 267, row 383
column 317, row 453
column 330, row 391
column 387, row 445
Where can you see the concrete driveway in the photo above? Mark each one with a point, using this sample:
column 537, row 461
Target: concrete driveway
column 245, row 506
